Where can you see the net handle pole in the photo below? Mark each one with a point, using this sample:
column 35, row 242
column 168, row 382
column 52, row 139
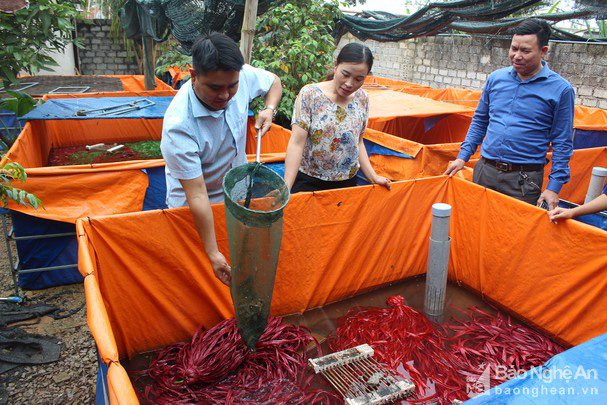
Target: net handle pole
column 258, row 151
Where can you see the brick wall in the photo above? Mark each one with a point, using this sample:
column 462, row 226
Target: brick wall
column 462, row 61
column 100, row 55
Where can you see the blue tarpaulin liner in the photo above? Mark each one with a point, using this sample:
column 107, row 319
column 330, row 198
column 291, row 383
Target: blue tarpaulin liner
column 589, row 139
column 61, row 109
column 278, row 167
column 36, row 253
column 430, row 122
column 576, row 376
column 376, row 149
column 102, row 393
column 60, row 251
column 155, row 194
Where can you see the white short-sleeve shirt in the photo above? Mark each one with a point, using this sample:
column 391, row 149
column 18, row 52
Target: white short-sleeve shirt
column 198, row 141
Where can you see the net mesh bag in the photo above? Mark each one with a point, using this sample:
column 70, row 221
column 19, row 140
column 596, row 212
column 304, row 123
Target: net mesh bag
column 188, row 19
column 255, row 197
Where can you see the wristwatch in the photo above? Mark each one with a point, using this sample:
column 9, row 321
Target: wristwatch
column 271, row 107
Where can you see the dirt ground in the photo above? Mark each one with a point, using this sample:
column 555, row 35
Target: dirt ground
column 45, row 84
column 72, row 379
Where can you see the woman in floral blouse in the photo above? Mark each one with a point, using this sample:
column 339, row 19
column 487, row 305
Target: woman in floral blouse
column 326, row 148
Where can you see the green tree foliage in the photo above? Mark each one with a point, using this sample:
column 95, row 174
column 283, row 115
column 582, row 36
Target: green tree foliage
column 11, row 172
column 294, row 41
column 167, row 55
column 28, row 35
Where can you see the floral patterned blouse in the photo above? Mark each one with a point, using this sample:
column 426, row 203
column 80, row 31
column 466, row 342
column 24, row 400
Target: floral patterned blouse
column 331, row 149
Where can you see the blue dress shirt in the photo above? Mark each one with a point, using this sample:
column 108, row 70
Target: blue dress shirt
column 520, row 119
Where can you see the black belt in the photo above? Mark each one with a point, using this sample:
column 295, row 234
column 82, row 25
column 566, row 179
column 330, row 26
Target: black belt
column 513, row 167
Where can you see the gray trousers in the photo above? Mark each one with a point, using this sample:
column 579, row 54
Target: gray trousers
column 513, row 183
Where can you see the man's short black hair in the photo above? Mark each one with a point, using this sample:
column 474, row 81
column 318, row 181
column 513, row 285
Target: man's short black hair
column 533, row 26
column 216, row 51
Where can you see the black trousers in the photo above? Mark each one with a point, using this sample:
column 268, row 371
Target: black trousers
column 303, row 182
column 525, row 186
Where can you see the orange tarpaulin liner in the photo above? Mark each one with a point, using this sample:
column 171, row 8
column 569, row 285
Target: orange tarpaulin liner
column 450, row 94
column 178, row 74
column 32, row 147
column 449, row 129
column 137, row 82
column 428, row 160
column 552, row 275
column 149, row 284
column 67, row 197
column 385, row 105
column 408, row 116
column 392, row 84
column 274, row 142
column 69, row 192
column 586, row 118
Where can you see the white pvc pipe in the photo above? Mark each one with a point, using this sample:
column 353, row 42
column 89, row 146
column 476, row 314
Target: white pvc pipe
column 115, row 148
column 597, row 181
column 438, row 260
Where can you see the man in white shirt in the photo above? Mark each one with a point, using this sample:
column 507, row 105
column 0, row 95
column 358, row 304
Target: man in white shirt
column 204, row 132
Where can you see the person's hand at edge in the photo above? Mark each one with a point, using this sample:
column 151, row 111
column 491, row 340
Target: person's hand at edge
column 221, row 268
column 454, row 167
column 382, row 181
column 551, row 198
column 560, row 213
column 264, row 121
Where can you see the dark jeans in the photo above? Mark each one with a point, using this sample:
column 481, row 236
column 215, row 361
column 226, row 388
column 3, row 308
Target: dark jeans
column 509, row 183
column 303, row 182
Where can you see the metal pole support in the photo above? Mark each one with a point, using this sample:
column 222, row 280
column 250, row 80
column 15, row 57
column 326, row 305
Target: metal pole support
column 148, row 62
column 9, row 253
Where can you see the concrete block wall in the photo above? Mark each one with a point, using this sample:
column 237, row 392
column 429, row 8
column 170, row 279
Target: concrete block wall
column 462, row 61
column 101, row 55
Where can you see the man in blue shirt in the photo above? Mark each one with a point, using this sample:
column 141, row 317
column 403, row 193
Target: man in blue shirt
column 524, row 109
column 204, row 132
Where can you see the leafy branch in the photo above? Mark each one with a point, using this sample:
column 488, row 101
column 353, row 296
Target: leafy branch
column 10, row 172
column 168, row 55
column 294, row 41
column 29, row 35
